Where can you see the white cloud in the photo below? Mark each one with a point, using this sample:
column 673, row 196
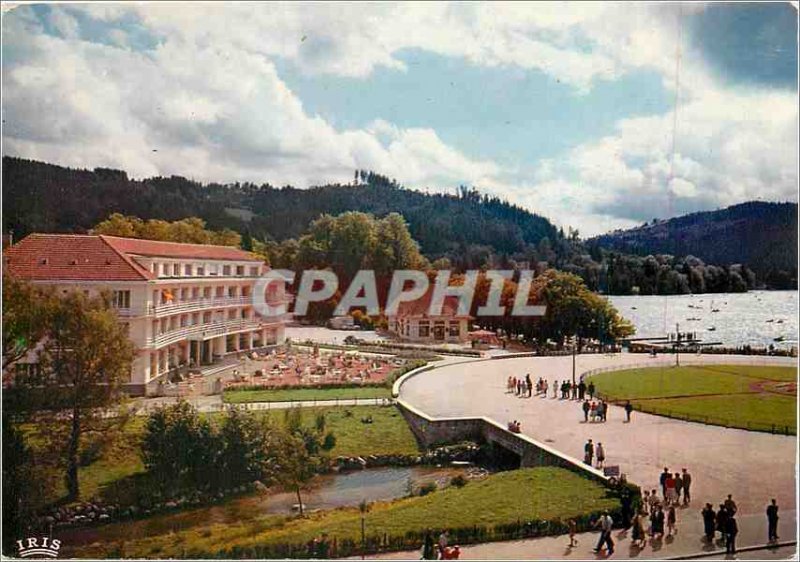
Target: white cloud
column 207, row 101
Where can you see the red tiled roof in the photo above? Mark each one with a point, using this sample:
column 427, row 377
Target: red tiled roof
column 139, row 247
column 421, row 306
column 53, row 257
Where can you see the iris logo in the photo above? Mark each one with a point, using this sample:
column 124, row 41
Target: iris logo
column 38, row 547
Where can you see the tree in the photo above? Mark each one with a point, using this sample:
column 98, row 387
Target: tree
column 250, row 448
column 179, row 447
column 26, row 311
column 303, row 452
column 87, row 355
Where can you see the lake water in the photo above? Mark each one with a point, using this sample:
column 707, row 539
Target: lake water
column 327, row 491
column 756, row 318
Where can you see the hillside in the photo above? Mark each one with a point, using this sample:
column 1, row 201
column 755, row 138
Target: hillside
column 464, row 227
column 760, row 234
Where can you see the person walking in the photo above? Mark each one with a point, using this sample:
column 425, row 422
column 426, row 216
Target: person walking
column 555, row 388
column 653, row 501
column 678, row 487
column 585, row 407
column 544, row 388
column 669, row 486
column 528, row 383
column 581, row 390
column 663, row 480
column 443, row 540
column 772, row 521
column 687, row 482
column 604, row 416
column 605, row 523
column 628, row 410
column 573, row 529
column 637, row 533
column 428, row 549
column 658, row 522
column 601, row 455
column 672, row 519
column 730, row 505
column 722, row 520
column 709, row 520
column 593, row 411
column 646, row 502
column 588, row 452
column 731, row 530
column 590, row 388
column 574, row 391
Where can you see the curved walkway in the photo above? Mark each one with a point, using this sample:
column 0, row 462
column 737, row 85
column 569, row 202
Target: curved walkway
column 752, row 466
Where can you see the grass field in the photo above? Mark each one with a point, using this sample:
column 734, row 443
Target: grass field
column 297, row 394
column 112, row 476
column 504, row 498
column 742, row 396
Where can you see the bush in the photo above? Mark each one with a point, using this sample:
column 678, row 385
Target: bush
column 458, row 481
column 428, row 488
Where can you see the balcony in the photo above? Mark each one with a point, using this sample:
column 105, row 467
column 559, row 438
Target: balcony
column 204, row 331
column 195, row 305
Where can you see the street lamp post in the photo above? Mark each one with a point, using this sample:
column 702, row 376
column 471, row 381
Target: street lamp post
column 574, row 351
column 677, row 344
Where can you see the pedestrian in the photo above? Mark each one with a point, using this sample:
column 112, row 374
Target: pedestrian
column 509, row 384
column 669, row 486
column 605, row 523
column 544, row 391
column 585, row 410
column 600, row 411
column 581, row 390
column 574, row 391
column 646, row 502
column 591, row 390
column 722, row 520
column 528, row 383
column 658, row 522
column 678, row 487
column 601, row 455
column 628, row 410
column 605, row 410
column 626, row 503
column 588, row 452
column 637, row 533
column 730, row 505
column 653, row 501
column 687, row 481
column 573, row 529
column 709, row 520
column 772, row 521
column 593, row 411
column 663, row 480
column 731, row 530
column 428, row 549
column 555, row 388
column 672, row 519
column 443, row 540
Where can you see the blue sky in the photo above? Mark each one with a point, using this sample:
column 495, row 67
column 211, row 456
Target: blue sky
column 566, row 109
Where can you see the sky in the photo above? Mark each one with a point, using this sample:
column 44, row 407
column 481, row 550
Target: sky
column 596, row 115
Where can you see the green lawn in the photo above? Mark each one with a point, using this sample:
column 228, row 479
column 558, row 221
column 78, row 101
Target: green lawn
column 113, row 476
column 733, row 401
column 296, row 394
column 532, row 494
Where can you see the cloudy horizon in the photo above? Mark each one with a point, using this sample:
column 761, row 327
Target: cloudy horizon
column 564, row 109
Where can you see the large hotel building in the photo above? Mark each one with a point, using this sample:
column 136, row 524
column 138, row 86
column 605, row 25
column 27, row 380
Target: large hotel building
column 186, row 306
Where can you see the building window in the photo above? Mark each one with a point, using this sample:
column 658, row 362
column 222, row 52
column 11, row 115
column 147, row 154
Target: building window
column 176, row 270
column 239, row 270
column 455, row 329
column 187, row 270
column 206, row 292
column 254, row 271
column 424, row 329
column 121, row 299
column 201, row 271
column 226, row 270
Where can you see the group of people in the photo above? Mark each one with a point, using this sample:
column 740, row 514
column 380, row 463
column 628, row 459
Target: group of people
column 673, row 485
column 439, row 550
column 524, row 387
column 594, row 411
column 724, row 522
column 514, row 426
column 592, row 451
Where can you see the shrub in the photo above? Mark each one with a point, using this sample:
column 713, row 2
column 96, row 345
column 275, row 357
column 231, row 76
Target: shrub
column 458, row 481
column 428, row 488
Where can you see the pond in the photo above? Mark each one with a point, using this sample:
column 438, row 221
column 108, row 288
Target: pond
column 326, row 492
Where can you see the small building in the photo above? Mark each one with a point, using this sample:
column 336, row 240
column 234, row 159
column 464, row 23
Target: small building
column 414, row 323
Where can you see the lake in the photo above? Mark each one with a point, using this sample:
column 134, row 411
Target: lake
column 755, row 318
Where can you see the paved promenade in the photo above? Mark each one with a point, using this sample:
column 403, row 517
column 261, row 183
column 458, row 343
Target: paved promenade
column 754, row 467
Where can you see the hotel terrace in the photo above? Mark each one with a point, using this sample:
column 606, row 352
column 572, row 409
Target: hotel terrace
column 186, row 306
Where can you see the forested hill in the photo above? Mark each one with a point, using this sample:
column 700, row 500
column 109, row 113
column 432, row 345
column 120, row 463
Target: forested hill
column 760, row 234
column 47, row 198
